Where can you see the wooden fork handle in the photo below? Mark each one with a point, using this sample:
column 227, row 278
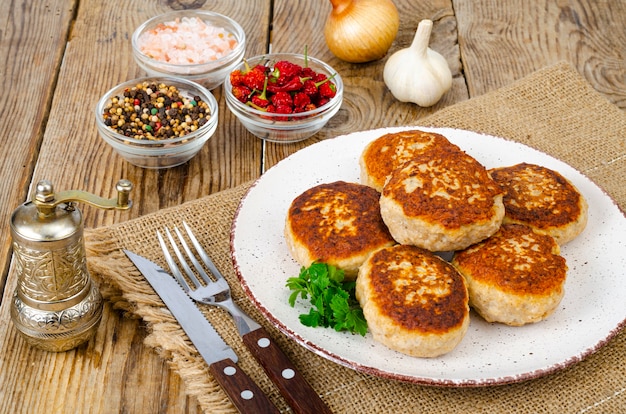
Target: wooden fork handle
column 300, row 396
column 244, row 393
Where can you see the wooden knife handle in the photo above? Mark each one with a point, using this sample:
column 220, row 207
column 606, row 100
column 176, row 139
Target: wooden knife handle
column 300, row 396
column 241, row 389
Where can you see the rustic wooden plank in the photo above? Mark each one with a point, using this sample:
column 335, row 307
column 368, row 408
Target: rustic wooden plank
column 115, row 372
column 112, row 373
column 368, row 104
column 503, row 44
column 29, row 64
column 101, row 37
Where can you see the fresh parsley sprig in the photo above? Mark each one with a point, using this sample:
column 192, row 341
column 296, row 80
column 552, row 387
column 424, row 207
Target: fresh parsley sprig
column 333, row 301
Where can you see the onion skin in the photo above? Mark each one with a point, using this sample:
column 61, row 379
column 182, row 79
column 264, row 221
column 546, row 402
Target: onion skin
column 360, row 31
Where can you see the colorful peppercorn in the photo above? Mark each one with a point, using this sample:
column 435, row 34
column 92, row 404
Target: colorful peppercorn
column 155, row 112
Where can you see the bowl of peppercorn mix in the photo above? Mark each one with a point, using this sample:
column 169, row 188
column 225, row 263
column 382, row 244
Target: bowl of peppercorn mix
column 157, row 122
column 196, row 45
column 283, row 97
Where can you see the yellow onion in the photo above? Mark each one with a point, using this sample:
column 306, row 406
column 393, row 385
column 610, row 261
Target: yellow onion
column 360, row 31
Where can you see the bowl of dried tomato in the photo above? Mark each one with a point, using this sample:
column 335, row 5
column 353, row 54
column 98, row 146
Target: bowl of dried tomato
column 157, row 122
column 283, row 97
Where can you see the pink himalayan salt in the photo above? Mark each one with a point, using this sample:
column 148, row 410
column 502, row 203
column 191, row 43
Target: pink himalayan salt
column 186, row 41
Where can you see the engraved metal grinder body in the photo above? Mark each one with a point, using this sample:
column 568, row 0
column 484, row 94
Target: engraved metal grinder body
column 56, row 306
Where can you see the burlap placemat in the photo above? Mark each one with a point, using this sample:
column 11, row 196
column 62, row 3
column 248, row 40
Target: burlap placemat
column 553, row 110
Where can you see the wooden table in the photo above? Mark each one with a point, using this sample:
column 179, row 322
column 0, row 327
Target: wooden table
column 59, row 56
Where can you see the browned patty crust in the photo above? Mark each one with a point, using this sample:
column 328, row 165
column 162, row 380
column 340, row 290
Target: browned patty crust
column 431, row 301
column 381, row 156
column 543, row 199
column 441, row 202
column 515, row 277
column 515, row 260
column 454, row 189
column 337, row 222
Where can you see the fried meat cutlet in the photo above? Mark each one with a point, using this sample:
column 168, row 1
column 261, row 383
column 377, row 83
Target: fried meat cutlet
column 542, row 199
column 441, row 202
column 515, row 277
column 414, row 302
column 381, row 156
column 337, row 223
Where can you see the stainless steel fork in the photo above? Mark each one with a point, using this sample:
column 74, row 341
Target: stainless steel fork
column 215, row 290
column 212, row 292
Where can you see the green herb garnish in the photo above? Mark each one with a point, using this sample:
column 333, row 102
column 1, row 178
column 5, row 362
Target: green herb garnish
column 333, row 301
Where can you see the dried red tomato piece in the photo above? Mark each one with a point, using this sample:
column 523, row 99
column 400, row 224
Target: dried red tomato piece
column 261, row 99
column 284, row 88
column 254, row 79
column 286, row 70
column 282, row 99
column 327, row 90
column 242, row 93
column 300, row 100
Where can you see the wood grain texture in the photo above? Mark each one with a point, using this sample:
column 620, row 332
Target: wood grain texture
column 105, row 375
column 236, row 383
column 116, row 370
column 294, row 388
column 82, row 49
column 501, row 44
column 29, row 63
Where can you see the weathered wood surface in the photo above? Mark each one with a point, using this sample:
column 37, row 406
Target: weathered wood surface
column 53, row 76
column 29, row 65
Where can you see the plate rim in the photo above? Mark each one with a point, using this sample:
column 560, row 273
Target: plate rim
column 421, row 380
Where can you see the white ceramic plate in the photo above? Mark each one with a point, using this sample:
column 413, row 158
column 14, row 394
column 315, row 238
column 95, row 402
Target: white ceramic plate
column 592, row 311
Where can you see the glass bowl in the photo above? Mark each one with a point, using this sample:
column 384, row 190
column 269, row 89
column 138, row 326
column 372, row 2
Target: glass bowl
column 159, row 153
column 209, row 74
column 273, row 126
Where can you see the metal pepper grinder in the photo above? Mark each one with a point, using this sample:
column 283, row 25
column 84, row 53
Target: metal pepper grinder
column 56, row 307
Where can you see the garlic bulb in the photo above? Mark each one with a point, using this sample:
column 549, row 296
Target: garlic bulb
column 418, row 74
column 360, row 31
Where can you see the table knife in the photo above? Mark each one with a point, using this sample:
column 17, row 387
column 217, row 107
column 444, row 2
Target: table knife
column 244, row 393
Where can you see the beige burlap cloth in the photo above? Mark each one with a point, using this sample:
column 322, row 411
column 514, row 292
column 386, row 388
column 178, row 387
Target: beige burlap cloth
column 553, row 110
